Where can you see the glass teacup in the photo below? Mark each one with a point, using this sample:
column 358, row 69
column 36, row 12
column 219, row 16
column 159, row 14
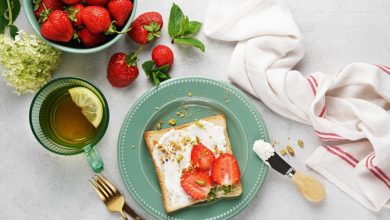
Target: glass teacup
column 41, row 121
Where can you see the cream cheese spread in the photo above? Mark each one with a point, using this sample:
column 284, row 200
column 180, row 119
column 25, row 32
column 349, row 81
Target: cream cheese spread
column 264, row 150
column 173, row 154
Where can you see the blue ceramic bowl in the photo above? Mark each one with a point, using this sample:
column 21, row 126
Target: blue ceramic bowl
column 29, row 9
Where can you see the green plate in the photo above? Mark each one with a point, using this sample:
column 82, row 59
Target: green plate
column 202, row 97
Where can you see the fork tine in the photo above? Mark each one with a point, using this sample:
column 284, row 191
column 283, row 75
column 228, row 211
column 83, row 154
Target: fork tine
column 100, row 194
column 107, row 189
column 102, row 188
column 108, row 183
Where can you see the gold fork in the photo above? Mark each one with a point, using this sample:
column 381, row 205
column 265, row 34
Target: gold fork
column 111, row 196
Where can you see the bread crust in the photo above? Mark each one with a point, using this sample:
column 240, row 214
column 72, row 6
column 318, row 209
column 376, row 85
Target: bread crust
column 152, row 137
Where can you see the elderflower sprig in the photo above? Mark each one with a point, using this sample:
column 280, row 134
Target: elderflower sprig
column 27, row 62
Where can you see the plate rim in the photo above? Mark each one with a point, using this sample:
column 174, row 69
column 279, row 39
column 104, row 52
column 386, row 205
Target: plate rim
column 148, row 92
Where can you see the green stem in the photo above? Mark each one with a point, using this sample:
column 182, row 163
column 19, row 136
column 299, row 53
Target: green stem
column 9, row 12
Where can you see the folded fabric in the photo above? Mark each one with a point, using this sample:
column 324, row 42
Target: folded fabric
column 352, row 105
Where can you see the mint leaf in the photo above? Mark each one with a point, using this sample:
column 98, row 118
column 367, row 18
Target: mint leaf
column 156, row 75
column 175, row 20
column 180, row 28
column 164, row 68
column 190, row 41
column 5, row 7
column 193, row 27
column 148, row 67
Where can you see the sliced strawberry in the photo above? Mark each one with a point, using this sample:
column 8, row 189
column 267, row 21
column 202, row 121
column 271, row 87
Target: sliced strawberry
column 196, row 183
column 202, row 157
column 225, row 170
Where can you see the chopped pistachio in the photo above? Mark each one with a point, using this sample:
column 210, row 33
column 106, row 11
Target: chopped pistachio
column 301, row 143
column 180, row 114
column 189, row 94
column 290, row 150
column 283, row 152
column 179, row 158
column 199, row 124
column 200, row 182
column 172, row 122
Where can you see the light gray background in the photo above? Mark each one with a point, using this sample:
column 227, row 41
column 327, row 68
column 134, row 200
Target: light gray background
column 36, row 184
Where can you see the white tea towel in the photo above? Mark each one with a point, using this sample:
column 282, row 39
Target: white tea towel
column 353, row 105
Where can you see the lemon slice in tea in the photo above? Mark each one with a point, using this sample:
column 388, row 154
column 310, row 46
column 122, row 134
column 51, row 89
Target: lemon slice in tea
column 90, row 104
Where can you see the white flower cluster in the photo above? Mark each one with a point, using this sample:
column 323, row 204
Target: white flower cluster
column 27, row 61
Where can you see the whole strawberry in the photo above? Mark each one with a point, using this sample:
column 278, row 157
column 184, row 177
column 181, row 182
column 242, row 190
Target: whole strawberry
column 89, row 39
column 120, row 10
column 122, row 69
column 96, row 19
column 146, row 27
column 71, row 2
column 40, row 5
column 96, row 2
column 57, row 27
column 162, row 55
column 74, row 14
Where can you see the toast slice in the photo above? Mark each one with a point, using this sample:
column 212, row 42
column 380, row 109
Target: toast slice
column 170, row 182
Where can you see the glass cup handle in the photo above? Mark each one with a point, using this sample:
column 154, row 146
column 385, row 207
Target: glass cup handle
column 94, row 159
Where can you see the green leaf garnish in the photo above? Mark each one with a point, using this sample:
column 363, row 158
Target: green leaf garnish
column 180, row 28
column 190, row 41
column 156, row 74
column 212, row 194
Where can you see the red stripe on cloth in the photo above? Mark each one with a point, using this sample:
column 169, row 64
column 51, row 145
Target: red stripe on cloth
column 330, row 139
column 340, row 156
column 346, row 154
column 322, row 113
column 373, row 172
column 332, row 135
column 312, row 86
column 314, row 80
column 383, row 69
column 379, row 170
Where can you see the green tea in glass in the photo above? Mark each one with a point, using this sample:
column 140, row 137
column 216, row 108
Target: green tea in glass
column 69, row 116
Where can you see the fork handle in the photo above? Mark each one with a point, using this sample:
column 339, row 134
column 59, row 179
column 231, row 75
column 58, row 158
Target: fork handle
column 124, row 217
column 131, row 212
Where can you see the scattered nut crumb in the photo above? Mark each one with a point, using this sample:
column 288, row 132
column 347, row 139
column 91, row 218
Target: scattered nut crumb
column 301, row 143
column 172, row 122
column 189, row 94
column 283, row 152
column 290, row 150
column 158, row 126
column 179, row 158
column 199, row 124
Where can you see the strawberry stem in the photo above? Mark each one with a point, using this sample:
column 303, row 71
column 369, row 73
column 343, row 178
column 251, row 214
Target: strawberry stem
column 131, row 58
column 112, row 30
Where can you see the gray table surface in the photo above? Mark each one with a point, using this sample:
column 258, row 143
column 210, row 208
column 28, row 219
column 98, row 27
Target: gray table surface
column 36, row 184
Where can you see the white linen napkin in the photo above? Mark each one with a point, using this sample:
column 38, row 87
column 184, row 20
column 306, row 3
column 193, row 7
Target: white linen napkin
column 353, row 105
